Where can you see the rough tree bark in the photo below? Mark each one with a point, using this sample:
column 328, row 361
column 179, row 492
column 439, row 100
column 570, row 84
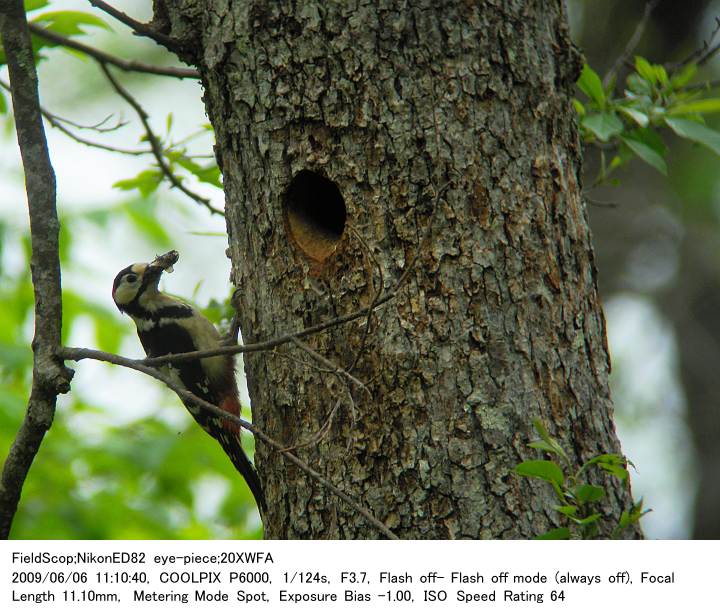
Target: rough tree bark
column 337, row 124
column 50, row 376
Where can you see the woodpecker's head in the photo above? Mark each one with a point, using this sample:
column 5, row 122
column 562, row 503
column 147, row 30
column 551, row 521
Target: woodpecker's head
column 139, row 281
column 135, row 281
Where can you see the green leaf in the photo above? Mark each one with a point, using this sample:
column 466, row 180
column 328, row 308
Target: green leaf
column 579, row 107
column 631, row 516
column 603, row 125
column 698, row 133
column 209, row 174
column 31, row 5
column 557, row 533
column 645, row 70
column 568, row 510
column 589, row 493
column 637, row 116
column 638, row 85
column 3, row 103
column 608, row 458
column 542, row 446
column 646, row 153
column 146, row 182
column 590, row 519
column 650, row 138
column 706, row 105
column 682, row 78
column 541, row 469
column 612, row 463
column 69, row 23
column 541, row 429
column 616, row 162
column 591, row 85
column 618, row 471
column 552, row 445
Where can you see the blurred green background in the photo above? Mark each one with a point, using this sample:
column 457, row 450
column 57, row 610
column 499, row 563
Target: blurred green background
column 124, row 459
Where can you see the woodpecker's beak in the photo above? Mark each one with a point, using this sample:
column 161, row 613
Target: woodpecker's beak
column 153, row 274
column 163, row 263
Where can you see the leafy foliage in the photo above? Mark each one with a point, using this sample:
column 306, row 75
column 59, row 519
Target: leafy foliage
column 66, row 23
column 627, row 125
column 578, row 500
column 180, row 162
column 99, row 476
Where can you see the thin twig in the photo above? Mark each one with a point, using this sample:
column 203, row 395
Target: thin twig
column 704, row 85
column 138, row 27
column 599, row 203
column 56, row 122
column 321, row 433
column 50, row 376
column 709, row 54
column 703, row 53
column 194, row 400
column 409, row 269
column 102, row 56
column 328, row 364
column 155, row 143
column 371, row 307
column 98, row 127
column 325, row 428
column 302, row 362
column 632, row 42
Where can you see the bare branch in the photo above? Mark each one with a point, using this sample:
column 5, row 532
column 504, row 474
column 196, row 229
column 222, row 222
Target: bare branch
column 98, row 127
column 599, row 203
column 632, row 42
column 157, row 149
column 302, row 362
column 138, row 27
column 191, row 398
column 336, row 370
column 272, row 343
column 240, row 349
column 703, row 85
column 102, row 56
column 321, row 433
column 50, row 376
column 373, row 303
column 55, row 122
column 701, row 55
column 58, row 123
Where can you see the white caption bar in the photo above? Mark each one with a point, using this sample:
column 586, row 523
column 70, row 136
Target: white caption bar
column 385, row 577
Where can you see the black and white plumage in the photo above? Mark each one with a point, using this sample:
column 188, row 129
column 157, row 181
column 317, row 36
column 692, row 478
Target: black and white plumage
column 168, row 325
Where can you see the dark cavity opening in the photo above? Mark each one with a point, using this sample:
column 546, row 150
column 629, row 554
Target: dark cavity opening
column 315, row 213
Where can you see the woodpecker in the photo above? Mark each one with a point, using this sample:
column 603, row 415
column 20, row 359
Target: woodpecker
column 168, row 325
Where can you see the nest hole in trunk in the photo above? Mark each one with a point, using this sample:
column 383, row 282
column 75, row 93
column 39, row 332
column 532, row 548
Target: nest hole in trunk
column 315, row 214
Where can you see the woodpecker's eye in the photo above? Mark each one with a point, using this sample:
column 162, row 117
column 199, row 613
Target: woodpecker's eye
column 131, row 278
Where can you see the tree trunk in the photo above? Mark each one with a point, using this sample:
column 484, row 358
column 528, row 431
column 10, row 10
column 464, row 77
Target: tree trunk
column 693, row 308
column 337, row 125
